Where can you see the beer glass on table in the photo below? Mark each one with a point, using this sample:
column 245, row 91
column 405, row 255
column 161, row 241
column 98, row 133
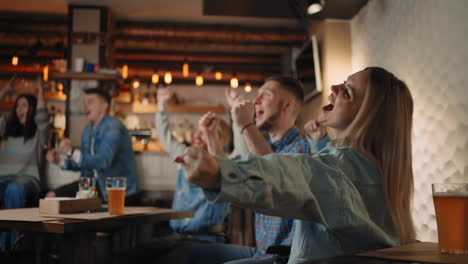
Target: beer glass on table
column 451, row 208
column 115, row 187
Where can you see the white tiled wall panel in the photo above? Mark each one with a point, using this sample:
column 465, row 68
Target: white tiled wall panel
column 425, row 43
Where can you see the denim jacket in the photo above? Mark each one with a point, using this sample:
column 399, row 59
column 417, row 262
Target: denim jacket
column 113, row 155
column 336, row 197
column 188, row 196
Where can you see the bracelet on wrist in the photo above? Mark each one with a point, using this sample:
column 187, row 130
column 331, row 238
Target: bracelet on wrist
column 246, row 126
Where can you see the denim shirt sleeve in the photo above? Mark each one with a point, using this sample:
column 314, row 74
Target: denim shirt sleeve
column 317, row 146
column 319, row 191
column 102, row 158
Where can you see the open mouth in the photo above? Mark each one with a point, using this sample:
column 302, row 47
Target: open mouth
column 259, row 114
column 328, row 107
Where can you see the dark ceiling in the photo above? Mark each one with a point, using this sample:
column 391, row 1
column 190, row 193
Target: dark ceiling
column 254, row 51
column 334, row 9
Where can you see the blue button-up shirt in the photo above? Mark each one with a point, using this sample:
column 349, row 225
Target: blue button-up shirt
column 110, row 156
column 273, row 230
column 189, row 196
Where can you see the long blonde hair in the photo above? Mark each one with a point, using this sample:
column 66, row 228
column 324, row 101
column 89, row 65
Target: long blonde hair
column 381, row 131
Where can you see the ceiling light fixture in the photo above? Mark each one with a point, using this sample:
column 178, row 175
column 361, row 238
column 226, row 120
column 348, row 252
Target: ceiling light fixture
column 135, row 84
column 199, row 80
column 248, row 88
column 185, row 69
column 155, row 78
column 14, row 60
column 315, row 6
column 125, row 71
column 45, row 73
column 167, row 78
column 218, row 75
column 234, row 82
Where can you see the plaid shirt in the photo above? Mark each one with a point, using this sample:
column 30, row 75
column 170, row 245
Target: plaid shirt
column 274, row 230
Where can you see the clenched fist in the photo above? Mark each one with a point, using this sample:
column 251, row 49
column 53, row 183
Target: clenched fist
column 201, row 168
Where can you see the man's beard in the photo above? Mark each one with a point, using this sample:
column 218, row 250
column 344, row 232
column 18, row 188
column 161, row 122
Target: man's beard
column 270, row 122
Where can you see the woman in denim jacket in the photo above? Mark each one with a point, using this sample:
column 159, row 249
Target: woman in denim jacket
column 353, row 196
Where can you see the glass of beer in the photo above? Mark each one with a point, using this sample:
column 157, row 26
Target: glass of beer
column 115, row 187
column 451, row 208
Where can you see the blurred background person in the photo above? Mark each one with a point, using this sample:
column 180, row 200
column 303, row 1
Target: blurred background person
column 106, row 149
column 24, row 138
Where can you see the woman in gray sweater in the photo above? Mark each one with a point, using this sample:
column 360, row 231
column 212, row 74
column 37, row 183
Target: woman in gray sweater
column 23, row 134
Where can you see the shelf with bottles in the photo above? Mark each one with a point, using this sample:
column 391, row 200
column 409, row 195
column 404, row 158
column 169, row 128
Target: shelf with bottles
column 128, row 104
column 98, row 76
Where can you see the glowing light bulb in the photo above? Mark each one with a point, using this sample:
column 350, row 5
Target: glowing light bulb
column 218, row 76
column 155, row 78
column 45, row 73
column 199, row 80
column 167, row 78
column 125, row 71
column 248, row 88
column 234, row 82
column 185, row 69
column 14, row 60
column 136, row 84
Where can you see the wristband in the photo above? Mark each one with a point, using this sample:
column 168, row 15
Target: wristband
column 246, row 126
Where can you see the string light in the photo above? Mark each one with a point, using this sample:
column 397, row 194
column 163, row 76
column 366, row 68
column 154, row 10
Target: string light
column 45, row 73
column 248, row 88
column 199, row 80
column 155, row 78
column 125, row 71
column 218, row 75
column 14, row 60
column 167, row 78
column 185, row 69
column 234, row 82
column 136, row 84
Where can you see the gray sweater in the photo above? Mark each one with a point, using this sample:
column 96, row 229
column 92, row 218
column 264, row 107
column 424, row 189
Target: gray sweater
column 18, row 157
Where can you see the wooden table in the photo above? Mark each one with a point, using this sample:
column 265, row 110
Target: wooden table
column 415, row 253
column 78, row 231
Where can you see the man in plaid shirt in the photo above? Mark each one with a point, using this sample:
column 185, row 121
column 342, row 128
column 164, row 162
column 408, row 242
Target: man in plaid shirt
column 276, row 109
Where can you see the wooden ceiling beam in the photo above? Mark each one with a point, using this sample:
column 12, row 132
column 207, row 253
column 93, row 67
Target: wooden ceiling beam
column 197, row 58
column 168, row 45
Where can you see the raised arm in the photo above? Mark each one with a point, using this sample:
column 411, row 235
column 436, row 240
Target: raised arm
column 173, row 148
column 233, row 98
column 243, row 118
column 295, row 186
column 316, row 136
column 7, row 88
column 42, row 116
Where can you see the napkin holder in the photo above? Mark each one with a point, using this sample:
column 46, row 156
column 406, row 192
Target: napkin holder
column 69, row 205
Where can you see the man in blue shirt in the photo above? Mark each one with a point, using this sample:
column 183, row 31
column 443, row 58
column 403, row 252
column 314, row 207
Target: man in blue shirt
column 208, row 222
column 106, row 149
column 276, row 109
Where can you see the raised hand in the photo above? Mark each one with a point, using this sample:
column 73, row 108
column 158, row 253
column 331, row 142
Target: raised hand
column 315, row 130
column 65, row 146
column 243, row 113
column 209, row 125
column 201, row 168
column 8, row 87
column 164, row 95
column 233, row 97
